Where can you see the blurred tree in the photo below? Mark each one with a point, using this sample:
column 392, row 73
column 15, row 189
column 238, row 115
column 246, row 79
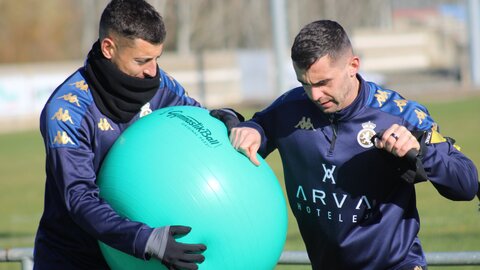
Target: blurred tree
column 50, row 30
column 39, row 30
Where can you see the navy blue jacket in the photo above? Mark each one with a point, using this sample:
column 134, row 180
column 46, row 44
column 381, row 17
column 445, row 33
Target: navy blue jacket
column 352, row 208
column 77, row 137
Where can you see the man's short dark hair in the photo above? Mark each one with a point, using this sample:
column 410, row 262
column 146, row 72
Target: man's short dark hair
column 132, row 19
column 317, row 39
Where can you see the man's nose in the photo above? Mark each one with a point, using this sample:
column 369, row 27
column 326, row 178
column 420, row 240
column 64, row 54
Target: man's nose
column 316, row 93
column 150, row 70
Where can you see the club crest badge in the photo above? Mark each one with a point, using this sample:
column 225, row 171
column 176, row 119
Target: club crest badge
column 365, row 135
column 145, row 110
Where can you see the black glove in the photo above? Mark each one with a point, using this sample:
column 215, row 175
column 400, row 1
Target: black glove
column 228, row 116
column 413, row 171
column 175, row 255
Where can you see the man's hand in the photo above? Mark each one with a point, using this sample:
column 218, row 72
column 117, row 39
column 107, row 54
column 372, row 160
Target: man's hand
column 404, row 144
column 397, row 140
column 229, row 117
column 247, row 141
column 175, row 255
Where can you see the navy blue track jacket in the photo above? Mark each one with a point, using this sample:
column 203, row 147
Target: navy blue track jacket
column 352, row 208
column 77, row 137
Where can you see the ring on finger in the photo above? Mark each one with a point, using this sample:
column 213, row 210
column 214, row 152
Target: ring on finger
column 395, row 136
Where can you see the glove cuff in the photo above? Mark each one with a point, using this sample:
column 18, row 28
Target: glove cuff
column 157, row 242
column 233, row 113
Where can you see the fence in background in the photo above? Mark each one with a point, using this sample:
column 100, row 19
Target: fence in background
column 464, row 258
column 21, row 255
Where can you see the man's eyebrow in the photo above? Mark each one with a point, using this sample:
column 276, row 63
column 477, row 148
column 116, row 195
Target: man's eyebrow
column 319, row 83
column 144, row 59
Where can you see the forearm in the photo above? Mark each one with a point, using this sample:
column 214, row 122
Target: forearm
column 98, row 218
column 75, row 179
column 452, row 173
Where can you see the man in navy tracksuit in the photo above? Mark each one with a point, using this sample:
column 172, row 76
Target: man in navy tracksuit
column 353, row 205
column 119, row 83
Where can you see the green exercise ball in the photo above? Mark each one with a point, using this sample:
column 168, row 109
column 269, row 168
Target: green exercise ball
column 177, row 166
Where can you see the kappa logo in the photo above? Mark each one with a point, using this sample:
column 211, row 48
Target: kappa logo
column 82, row 85
column 381, row 96
column 70, row 98
column 63, row 116
column 305, row 123
column 104, row 125
column 421, row 115
column 401, row 103
column 62, row 138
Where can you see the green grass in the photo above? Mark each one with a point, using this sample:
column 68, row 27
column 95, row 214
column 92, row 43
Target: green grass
column 446, row 225
column 21, row 190
column 21, row 187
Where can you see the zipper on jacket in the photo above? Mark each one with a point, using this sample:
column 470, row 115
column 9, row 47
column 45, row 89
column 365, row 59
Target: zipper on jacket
column 334, row 125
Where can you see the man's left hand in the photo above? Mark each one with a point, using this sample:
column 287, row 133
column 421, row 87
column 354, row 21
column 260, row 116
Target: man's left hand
column 397, row 140
column 228, row 116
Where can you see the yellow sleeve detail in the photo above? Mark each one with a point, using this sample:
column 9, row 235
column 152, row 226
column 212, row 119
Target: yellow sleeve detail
column 437, row 137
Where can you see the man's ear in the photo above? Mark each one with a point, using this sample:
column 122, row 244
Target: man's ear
column 107, row 46
column 354, row 65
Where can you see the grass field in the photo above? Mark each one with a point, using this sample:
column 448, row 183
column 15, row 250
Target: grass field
column 446, row 225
